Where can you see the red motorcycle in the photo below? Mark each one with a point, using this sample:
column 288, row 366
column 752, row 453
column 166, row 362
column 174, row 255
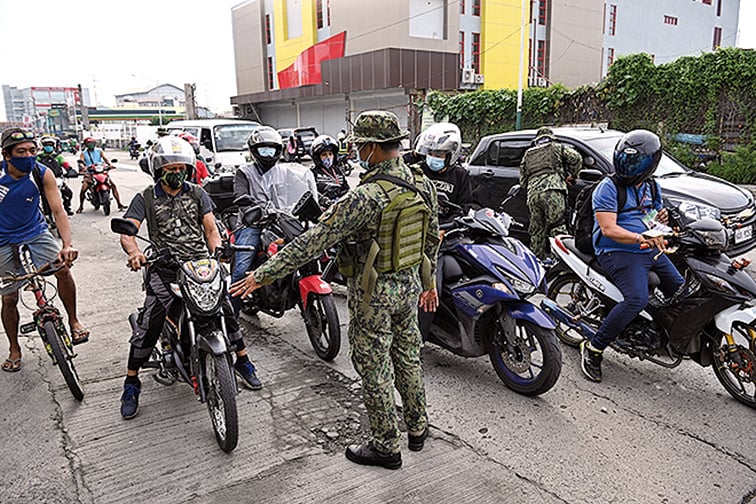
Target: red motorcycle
column 100, row 188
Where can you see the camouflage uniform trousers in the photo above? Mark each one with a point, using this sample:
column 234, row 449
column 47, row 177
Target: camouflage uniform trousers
column 383, row 333
column 547, row 213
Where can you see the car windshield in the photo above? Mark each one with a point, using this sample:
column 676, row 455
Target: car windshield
column 232, row 137
column 605, row 146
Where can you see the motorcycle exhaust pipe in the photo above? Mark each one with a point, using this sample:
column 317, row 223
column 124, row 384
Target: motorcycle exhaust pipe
column 559, row 314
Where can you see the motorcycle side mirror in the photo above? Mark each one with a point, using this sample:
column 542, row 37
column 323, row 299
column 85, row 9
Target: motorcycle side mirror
column 123, row 226
column 145, row 165
column 514, row 191
column 307, row 208
column 244, row 200
column 589, row 162
column 590, row 175
column 252, row 216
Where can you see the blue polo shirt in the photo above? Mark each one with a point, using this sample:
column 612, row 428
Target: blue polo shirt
column 639, row 202
column 20, row 216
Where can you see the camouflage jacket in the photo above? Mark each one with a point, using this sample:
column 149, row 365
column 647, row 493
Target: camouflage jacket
column 546, row 167
column 355, row 217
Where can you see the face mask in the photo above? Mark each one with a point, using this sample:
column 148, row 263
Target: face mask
column 327, row 162
column 23, row 164
column 365, row 163
column 90, row 146
column 174, row 180
column 434, row 163
column 267, row 152
column 48, row 148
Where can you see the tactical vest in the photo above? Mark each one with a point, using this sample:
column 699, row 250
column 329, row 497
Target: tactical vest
column 171, row 224
column 545, row 159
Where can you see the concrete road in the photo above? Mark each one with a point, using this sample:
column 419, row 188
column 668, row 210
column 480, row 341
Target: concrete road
column 646, row 434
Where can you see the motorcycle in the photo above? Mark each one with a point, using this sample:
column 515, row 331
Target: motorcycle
column 711, row 320
column 99, row 190
column 304, row 288
column 194, row 345
column 134, row 151
column 484, row 308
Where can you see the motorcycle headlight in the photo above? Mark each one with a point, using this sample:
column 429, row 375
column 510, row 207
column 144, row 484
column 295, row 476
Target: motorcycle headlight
column 720, row 284
column 206, row 296
column 523, row 287
column 696, row 211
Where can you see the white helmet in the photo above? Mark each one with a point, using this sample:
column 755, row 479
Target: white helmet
column 170, row 150
column 440, row 137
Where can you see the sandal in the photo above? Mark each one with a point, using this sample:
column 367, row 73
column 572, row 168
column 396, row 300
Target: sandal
column 79, row 336
column 11, row 365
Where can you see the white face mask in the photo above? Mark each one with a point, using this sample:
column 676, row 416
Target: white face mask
column 365, row 163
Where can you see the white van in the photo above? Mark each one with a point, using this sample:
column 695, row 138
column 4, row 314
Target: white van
column 223, row 142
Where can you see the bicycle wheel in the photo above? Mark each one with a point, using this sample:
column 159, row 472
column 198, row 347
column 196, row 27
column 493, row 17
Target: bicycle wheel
column 63, row 360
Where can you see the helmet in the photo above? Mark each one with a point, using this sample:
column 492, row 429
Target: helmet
column 170, row 150
column 440, row 137
column 89, row 140
column 321, row 144
column 636, row 156
column 47, row 140
column 262, row 137
column 192, row 141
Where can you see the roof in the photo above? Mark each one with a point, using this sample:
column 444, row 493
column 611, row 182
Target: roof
column 211, row 122
column 585, row 134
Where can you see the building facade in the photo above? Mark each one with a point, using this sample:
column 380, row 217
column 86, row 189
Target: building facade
column 51, row 109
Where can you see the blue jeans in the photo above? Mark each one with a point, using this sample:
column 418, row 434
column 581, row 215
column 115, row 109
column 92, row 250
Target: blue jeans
column 629, row 272
column 243, row 259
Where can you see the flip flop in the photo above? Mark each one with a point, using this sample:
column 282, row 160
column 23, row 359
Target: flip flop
column 11, row 365
column 79, row 336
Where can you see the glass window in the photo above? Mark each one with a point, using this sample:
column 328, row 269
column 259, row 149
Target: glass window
column 268, row 37
column 232, row 137
column 476, row 52
column 670, row 20
column 542, row 12
column 271, row 82
column 717, row 38
column 461, row 6
column 506, row 153
column 476, row 7
column 462, row 49
column 319, row 13
column 612, row 19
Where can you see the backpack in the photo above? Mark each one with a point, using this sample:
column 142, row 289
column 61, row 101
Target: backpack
column 584, row 216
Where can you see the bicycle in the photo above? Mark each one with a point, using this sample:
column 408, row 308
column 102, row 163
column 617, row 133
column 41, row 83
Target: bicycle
column 48, row 320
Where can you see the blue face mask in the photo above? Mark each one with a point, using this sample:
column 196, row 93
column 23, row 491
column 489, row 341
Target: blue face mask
column 434, row 163
column 48, row 148
column 266, row 152
column 364, row 163
column 327, row 162
column 23, row 164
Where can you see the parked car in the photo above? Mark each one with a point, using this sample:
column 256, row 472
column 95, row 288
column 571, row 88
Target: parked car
column 297, row 142
column 495, row 167
column 223, row 142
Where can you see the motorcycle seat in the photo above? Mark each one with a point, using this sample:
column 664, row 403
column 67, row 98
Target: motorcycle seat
column 590, row 260
column 452, row 271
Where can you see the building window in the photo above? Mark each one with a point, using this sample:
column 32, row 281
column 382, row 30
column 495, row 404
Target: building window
column 475, row 52
column 707, row 2
column 268, row 33
column 541, row 59
column 328, row 12
column 717, row 38
column 462, row 49
column 270, row 73
column 609, row 56
column 670, row 20
column 612, row 19
column 461, row 6
column 719, row 7
column 476, row 7
column 319, row 13
column 542, row 12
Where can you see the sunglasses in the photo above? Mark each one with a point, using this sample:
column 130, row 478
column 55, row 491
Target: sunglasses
column 20, row 135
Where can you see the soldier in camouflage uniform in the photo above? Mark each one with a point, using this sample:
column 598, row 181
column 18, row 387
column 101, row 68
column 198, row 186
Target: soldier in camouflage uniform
column 179, row 217
column 383, row 323
column 544, row 171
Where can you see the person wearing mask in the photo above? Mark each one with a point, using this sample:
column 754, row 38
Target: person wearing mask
column 329, row 175
column 179, row 216
column 201, row 172
column 91, row 156
column 51, row 158
column 22, row 223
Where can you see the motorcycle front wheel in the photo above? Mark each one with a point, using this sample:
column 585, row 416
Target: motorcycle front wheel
column 105, row 201
column 322, row 323
column 735, row 367
column 528, row 362
column 571, row 294
column 221, row 400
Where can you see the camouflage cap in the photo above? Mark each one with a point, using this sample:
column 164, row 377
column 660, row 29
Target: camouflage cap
column 544, row 131
column 376, row 126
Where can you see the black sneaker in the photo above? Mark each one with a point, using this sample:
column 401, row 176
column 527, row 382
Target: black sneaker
column 246, row 371
column 416, row 443
column 590, row 361
column 130, row 400
column 367, row 454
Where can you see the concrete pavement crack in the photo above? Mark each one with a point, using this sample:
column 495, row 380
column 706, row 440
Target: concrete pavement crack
column 749, row 498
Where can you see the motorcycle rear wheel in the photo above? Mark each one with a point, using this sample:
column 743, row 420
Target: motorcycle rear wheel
column 105, row 202
column 570, row 293
column 322, row 323
column 533, row 365
column 221, row 400
column 736, row 371
column 63, row 360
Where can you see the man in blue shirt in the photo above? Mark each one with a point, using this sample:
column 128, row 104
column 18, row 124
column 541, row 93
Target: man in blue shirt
column 22, row 222
column 621, row 248
column 89, row 158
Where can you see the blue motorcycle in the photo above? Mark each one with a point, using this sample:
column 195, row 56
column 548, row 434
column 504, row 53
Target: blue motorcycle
column 486, row 280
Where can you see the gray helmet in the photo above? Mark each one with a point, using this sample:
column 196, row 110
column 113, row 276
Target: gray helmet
column 440, row 137
column 170, row 150
column 376, row 126
column 260, row 139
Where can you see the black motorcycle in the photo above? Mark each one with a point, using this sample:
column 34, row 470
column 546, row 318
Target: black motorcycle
column 194, row 345
column 134, row 151
column 711, row 320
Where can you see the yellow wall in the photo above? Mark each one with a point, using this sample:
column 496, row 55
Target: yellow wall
column 500, row 43
column 287, row 50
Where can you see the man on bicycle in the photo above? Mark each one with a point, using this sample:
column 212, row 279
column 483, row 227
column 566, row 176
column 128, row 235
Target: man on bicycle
column 22, row 223
column 179, row 217
column 91, row 156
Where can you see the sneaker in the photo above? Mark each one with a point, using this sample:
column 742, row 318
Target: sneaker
column 590, row 361
column 246, row 371
column 367, row 454
column 130, row 400
column 416, row 443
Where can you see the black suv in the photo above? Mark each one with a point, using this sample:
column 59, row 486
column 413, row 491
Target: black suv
column 495, row 168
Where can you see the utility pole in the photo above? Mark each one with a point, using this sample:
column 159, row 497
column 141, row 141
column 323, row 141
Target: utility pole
column 518, row 120
column 84, row 111
column 191, row 105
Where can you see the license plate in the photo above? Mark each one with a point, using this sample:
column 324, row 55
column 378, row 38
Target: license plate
column 743, row 234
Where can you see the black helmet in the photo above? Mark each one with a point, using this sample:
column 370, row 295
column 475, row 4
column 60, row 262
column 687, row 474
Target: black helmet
column 321, row 144
column 636, row 156
column 262, row 139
